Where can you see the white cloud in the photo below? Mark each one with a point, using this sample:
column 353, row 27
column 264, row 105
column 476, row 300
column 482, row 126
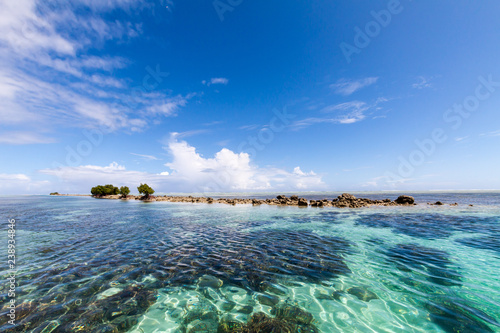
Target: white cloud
column 458, row 139
column 146, row 157
column 215, row 80
column 18, row 183
column 46, row 80
column 169, row 106
column 105, row 63
column 249, row 127
column 186, row 134
column 226, row 171
column 14, row 177
column 347, row 87
column 230, row 171
column 219, row 80
column 491, row 134
column 346, row 113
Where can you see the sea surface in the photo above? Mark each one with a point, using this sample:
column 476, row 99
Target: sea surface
column 89, row 265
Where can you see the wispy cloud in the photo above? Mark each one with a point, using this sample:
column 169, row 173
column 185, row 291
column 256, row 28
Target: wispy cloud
column 169, row 105
column 23, row 138
column 147, row 157
column 187, row 134
column 422, row 83
column 459, row 139
column 347, row 87
column 216, row 80
column 249, row 127
column 46, row 80
column 344, row 113
column 213, row 123
column 493, row 133
column 219, row 80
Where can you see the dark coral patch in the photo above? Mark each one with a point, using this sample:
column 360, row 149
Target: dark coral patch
column 455, row 317
column 489, row 242
column 432, row 263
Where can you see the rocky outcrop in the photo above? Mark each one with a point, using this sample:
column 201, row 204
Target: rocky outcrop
column 344, row 200
column 405, row 200
column 302, row 202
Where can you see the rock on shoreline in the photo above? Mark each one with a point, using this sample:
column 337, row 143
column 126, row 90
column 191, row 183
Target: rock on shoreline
column 345, row 200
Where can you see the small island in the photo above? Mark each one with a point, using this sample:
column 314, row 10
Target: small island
column 146, row 192
column 344, row 200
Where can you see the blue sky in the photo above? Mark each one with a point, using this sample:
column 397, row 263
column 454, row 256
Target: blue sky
column 236, row 95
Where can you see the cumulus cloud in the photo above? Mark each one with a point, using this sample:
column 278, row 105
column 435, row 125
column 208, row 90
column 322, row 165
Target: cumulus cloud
column 189, row 171
column 347, row 87
column 230, row 171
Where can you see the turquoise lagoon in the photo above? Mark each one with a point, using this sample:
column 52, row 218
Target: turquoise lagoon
column 126, row 266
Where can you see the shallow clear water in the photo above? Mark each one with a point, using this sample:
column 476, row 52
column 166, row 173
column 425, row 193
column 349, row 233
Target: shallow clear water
column 112, row 266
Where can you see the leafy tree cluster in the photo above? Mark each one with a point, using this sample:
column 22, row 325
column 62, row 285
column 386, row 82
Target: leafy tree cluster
column 54, row 193
column 103, row 190
column 146, row 190
column 124, row 191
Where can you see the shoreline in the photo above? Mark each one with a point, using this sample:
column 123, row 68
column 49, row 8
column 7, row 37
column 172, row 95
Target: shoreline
column 345, row 200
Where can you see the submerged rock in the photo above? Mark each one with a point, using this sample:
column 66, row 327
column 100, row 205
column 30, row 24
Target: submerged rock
column 269, row 300
column 323, row 296
column 292, row 313
column 362, row 294
column 273, row 288
column 209, row 281
column 227, row 325
column 202, row 326
column 261, row 323
column 202, row 311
